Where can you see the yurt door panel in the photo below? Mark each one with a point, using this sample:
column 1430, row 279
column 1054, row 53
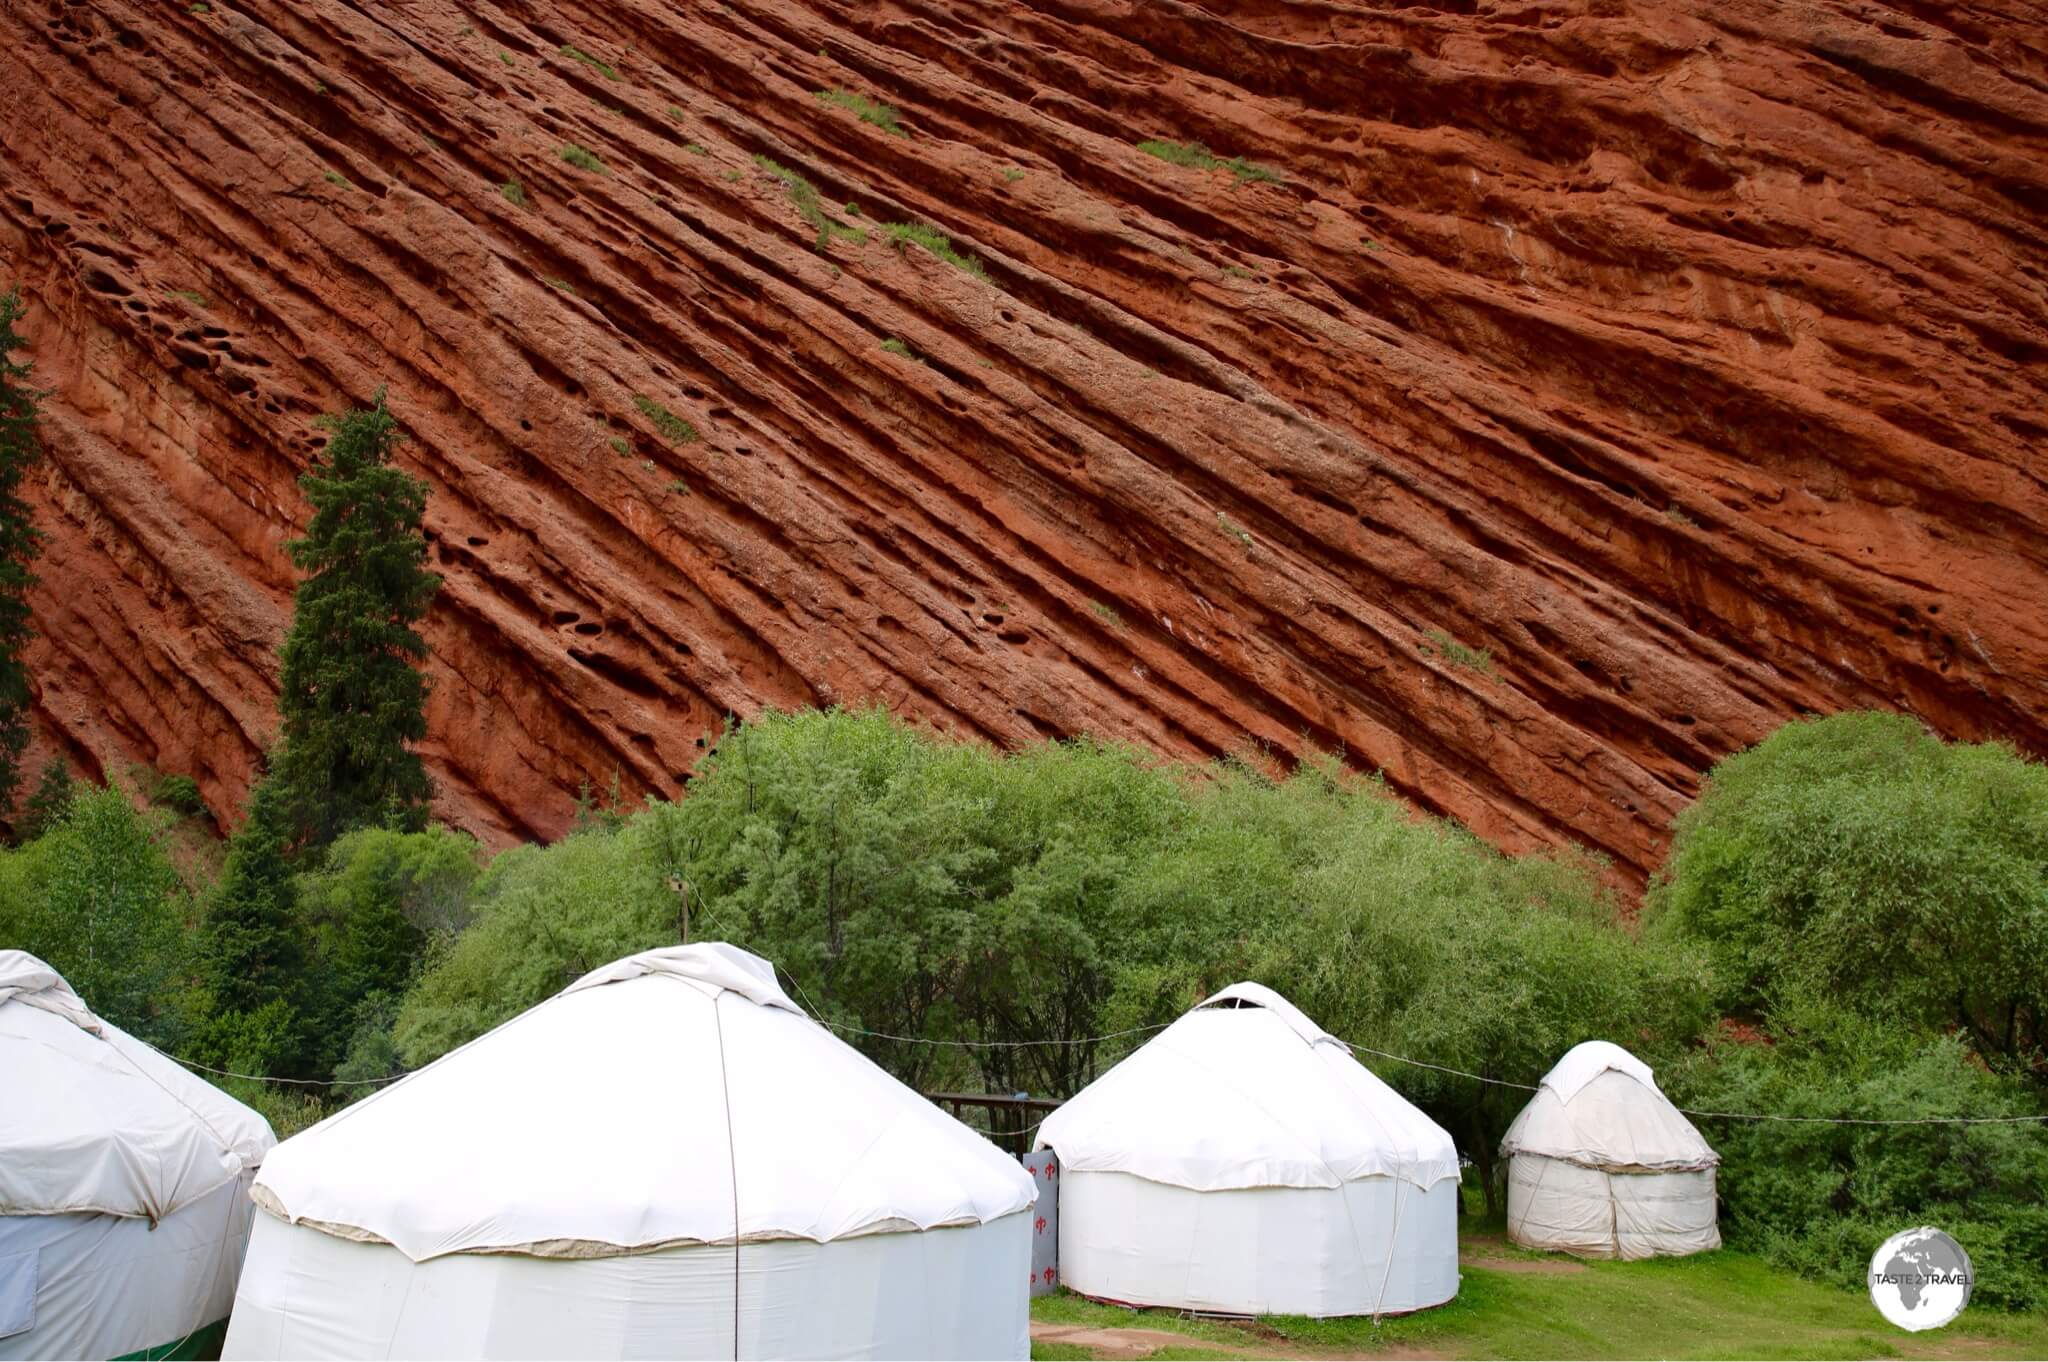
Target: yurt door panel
column 1043, row 1166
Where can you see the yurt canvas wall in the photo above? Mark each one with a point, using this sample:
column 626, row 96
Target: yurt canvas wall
column 1244, row 1162
column 1602, row 1165
column 667, row 1159
column 124, row 1207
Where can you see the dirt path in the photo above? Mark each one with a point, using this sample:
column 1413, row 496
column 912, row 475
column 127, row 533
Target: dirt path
column 1123, row 1345
column 1495, row 1254
column 1120, row 1344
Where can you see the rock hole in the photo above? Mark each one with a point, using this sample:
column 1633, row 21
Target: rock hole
column 590, row 628
column 476, row 541
column 1014, row 637
column 566, row 617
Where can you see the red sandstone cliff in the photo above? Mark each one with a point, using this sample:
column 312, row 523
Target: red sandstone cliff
column 1688, row 357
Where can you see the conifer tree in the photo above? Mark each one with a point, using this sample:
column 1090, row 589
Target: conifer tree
column 353, row 697
column 249, row 948
column 250, row 953
column 20, row 542
column 45, row 808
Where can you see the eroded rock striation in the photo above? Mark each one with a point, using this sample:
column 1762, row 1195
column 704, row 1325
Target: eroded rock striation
column 1556, row 396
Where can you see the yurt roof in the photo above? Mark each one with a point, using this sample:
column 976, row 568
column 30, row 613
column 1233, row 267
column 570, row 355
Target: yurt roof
column 94, row 1120
column 1600, row 1106
column 1246, row 1091
column 637, row 1109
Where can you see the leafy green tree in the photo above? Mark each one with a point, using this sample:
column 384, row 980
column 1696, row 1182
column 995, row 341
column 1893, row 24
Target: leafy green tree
column 542, row 917
column 47, row 804
column 813, row 839
column 20, row 541
column 352, row 696
column 370, row 911
column 97, row 898
column 1051, row 838
column 1861, row 859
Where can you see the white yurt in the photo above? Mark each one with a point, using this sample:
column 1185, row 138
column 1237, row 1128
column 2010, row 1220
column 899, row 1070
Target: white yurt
column 124, row 1184
column 666, row 1159
column 1243, row 1162
column 1600, row 1163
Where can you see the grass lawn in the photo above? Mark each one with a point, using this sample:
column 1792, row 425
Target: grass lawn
column 1513, row 1304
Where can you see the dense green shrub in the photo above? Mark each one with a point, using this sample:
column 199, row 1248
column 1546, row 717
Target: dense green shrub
column 1877, row 899
column 1820, row 1198
column 180, row 793
column 1861, row 859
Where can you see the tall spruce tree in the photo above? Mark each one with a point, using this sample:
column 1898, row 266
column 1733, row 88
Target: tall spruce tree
column 353, row 697
column 20, row 542
column 249, row 947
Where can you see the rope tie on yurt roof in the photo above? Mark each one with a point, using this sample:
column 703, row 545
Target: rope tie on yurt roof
column 1400, row 1185
column 732, row 1163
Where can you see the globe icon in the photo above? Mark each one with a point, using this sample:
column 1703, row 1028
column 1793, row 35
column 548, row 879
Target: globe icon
column 1920, row 1279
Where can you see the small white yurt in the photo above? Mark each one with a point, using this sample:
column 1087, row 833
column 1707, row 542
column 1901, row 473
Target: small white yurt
column 124, row 1184
column 666, row 1159
column 1243, row 1162
column 1600, row 1164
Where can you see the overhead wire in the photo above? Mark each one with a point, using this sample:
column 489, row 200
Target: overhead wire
column 849, row 1029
